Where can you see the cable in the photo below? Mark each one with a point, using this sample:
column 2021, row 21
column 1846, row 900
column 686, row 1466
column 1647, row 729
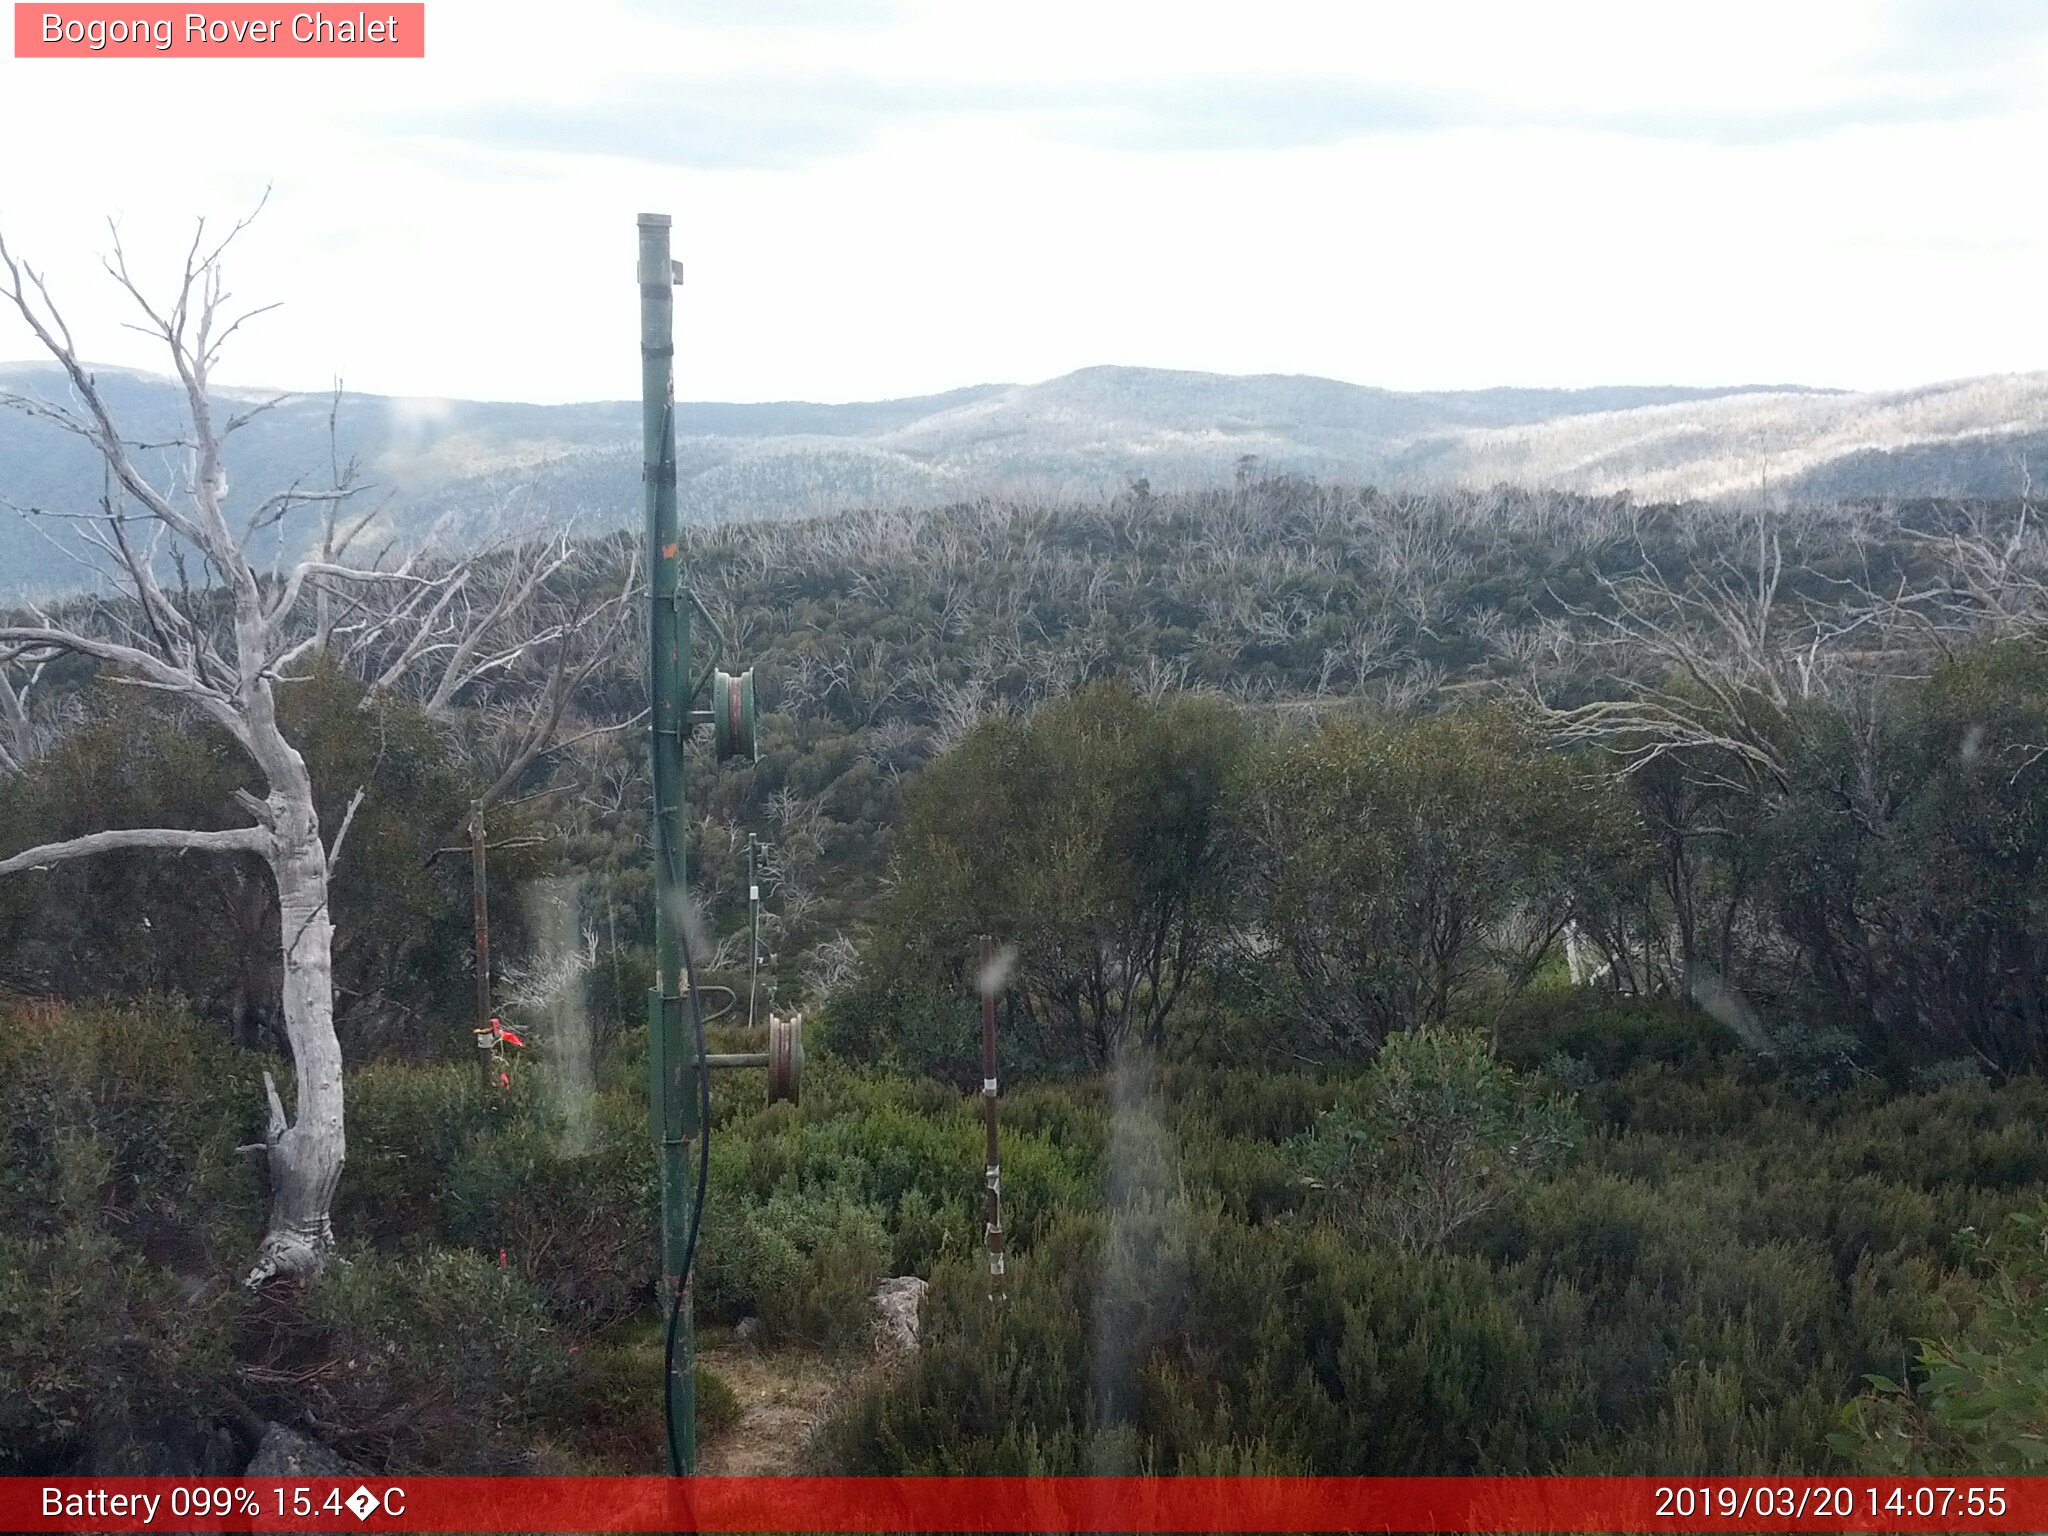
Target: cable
column 675, row 1306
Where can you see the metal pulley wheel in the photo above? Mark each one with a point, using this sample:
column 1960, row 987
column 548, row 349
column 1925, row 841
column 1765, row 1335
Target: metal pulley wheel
column 733, row 718
column 785, row 1058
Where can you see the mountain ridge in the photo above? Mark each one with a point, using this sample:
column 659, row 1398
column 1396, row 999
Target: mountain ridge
column 1082, row 435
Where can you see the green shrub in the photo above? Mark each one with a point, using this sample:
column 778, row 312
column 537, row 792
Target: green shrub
column 93, row 1337
column 440, row 1362
column 863, row 1132
column 610, row 1407
column 407, row 1128
column 718, row 1406
column 577, row 1217
column 1979, row 1400
column 1159, row 1341
column 1612, row 1033
column 1444, row 1133
column 805, row 1263
column 165, row 1099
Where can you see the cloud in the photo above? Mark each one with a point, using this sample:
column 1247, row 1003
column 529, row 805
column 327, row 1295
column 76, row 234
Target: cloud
column 1795, row 125
column 743, row 14
column 763, row 123
column 1234, row 114
column 782, row 121
column 1940, row 34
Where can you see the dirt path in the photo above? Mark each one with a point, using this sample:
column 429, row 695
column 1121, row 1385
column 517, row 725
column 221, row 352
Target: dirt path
column 782, row 1395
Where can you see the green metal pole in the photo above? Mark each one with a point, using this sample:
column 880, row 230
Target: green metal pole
column 753, row 930
column 671, row 1050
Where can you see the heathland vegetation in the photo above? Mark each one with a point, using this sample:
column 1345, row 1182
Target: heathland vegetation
column 1493, row 983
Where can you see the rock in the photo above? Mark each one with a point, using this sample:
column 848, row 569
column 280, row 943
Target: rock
column 897, row 1304
column 287, row 1453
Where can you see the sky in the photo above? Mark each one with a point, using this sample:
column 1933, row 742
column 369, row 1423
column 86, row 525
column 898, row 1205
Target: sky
column 876, row 198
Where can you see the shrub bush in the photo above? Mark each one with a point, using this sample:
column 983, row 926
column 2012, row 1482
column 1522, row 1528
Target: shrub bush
column 407, row 1128
column 718, row 1406
column 440, row 1362
column 1979, row 1398
column 576, row 1215
column 1444, row 1133
column 805, row 1263
column 166, row 1101
column 93, row 1338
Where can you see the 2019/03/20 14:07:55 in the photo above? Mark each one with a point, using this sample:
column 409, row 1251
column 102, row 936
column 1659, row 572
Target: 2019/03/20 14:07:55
column 1737, row 1500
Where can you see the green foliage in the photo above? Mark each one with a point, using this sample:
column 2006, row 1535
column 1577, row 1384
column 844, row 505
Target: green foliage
column 93, row 1336
column 718, row 1406
column 573, row 1208
column 806, row 1264
column 1696, row 1290
column 1092, row 838
column 204, row 927
column 1610, row 1034
column 911, row 1154
column 604, row 1410
column 1443, row 1134
column 122, row 1209
column 1978, row 1401
column 1909, row 864
column 127, row 924
column 1699, row 1288
column 160, row 1098
column 1755, row 1222
column 438, row 1363
column 1411, row 872
column 407, row 1128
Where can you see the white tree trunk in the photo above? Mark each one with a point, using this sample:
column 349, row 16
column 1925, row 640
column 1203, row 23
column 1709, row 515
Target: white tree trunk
column 306, row 1155
column 172, row 642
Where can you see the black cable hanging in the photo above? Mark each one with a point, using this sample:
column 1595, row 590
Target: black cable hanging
column 675, row 1305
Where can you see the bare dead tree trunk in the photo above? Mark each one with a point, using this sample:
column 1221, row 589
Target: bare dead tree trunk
column 306, row 1155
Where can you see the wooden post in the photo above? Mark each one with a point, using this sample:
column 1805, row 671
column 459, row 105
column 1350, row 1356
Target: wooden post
column 486, row 1040
column 994, row 1227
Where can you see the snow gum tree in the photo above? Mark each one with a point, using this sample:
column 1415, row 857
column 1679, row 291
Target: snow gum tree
column 195, row 614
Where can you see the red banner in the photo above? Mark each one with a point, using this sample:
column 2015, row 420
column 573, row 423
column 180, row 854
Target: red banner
column 221, row 31
column 1034, row 1504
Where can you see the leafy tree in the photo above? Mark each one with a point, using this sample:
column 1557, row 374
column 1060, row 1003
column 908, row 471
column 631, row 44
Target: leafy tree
column 1407, row 872
column 1092, row 838
column 133, row 922
column 1908, row 863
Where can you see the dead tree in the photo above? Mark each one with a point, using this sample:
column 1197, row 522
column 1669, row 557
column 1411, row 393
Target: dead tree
column 222, row 643
column 1730, row 652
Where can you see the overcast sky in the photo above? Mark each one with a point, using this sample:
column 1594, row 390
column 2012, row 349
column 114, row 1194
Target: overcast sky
column 876, row 198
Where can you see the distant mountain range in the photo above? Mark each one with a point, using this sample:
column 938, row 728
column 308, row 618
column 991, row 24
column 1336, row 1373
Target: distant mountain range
column 1086, row 434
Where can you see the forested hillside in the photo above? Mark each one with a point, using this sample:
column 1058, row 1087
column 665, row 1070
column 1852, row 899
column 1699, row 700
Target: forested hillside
column 466, row 468
column 1494, row 982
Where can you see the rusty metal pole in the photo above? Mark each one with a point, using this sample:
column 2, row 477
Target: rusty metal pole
column 486, row 1037
column 994, row 1228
